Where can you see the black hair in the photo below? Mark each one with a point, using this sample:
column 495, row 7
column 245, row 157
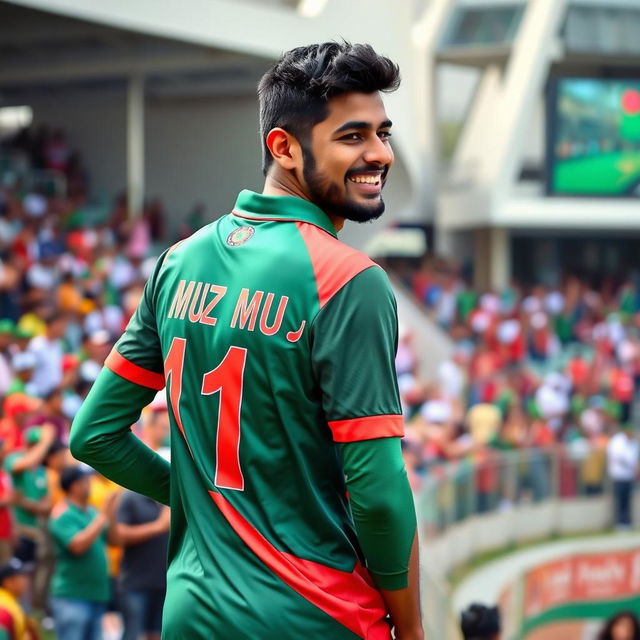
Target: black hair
column 606, row 632
column 480, row 622
column 294, row 93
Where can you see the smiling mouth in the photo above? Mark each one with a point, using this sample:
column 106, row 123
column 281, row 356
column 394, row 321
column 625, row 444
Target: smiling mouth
column 369, row 179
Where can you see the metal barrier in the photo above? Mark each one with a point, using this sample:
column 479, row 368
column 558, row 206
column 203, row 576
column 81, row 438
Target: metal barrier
column 495, row 498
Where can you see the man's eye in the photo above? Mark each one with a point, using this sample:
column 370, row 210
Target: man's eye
column 385, row 135
column 351, row 136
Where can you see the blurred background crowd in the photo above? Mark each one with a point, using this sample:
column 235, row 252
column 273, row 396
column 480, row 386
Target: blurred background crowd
column 68, row 285
column 531, row 367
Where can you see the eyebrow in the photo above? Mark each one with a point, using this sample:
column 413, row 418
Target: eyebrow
column 361, row 124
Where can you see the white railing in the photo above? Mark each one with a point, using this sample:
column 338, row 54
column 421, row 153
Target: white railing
column 496, row 500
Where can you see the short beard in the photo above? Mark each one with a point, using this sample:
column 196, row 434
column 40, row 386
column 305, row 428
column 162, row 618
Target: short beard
column 326, row 196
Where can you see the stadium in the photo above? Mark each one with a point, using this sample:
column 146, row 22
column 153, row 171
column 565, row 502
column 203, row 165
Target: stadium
column 509, row 238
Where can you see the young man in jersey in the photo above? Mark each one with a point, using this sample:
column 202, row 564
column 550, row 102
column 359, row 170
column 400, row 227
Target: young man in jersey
column 291, row 512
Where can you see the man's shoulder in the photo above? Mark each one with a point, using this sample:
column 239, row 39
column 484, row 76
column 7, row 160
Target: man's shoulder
column 59, row 510
column 334, row 262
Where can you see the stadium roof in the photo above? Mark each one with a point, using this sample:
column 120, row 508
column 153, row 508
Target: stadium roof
column 45, row 52
column 481, row 32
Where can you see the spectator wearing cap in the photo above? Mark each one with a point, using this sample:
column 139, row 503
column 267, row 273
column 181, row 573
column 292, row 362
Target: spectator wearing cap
column 48, row 352
column 479, row 622
column 14, row 582
column 80, row 586
column 31, row 494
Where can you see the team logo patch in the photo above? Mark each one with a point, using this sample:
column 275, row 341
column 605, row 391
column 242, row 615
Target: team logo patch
column 240, row 236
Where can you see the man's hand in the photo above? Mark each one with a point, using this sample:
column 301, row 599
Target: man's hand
column 47, row 433
column 109, row 507
column 164, row 520
column 404, row 604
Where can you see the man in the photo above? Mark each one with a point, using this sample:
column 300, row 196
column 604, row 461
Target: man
column 31, row 493
column 623, row 455
column 55, row 460
column 51, row 413
column 277, row 342
column 14, row 624
column 143, row 529
column 80, row 586
column 48, row 352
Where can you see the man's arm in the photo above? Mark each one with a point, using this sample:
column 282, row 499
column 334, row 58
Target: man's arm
column 101, row 432
column 101, row 436
column 131, row 534
column 82, row 541
column 354, row 343
column 40, row 507
column 79, row 542
column 384, row 517
column 35, row 455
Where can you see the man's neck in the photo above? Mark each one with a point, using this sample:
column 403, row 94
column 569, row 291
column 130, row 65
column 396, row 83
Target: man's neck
column 81, row 504
column 274, row 186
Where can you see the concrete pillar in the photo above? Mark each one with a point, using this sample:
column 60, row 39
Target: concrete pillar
column 492, row 258
column 135, row 145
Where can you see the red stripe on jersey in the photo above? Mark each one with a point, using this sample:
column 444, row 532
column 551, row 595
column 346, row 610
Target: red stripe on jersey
column 368, row 428
column 349, row 598
column 132, row 372
column 334, row 263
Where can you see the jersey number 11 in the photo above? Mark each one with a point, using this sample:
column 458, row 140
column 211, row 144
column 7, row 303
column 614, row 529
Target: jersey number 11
column 227, row 379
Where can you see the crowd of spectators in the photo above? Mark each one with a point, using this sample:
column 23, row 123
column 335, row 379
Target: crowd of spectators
column 531, row 368
column 73, row 545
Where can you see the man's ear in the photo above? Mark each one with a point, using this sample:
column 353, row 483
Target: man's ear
column 284, row 148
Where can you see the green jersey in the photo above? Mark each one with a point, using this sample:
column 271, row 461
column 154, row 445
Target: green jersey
column 276, row 341
column 83, row 576
column 32, row 484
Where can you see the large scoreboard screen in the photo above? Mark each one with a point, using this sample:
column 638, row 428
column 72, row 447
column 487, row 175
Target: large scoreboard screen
column 593, row 128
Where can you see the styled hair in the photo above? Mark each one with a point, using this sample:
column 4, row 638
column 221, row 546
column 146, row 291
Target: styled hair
column 294, row 94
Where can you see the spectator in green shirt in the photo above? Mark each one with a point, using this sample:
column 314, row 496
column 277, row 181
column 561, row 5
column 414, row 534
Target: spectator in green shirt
column 80, row 586
column 31, row 492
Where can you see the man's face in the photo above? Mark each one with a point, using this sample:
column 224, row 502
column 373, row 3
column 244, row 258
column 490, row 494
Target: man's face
column 16, row 585
column 348, row 157
column 81, row 489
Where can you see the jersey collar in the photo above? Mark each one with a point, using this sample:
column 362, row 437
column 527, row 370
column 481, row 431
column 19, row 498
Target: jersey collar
column 256, row 206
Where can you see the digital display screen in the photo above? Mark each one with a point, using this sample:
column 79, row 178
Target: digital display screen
column 594, row 137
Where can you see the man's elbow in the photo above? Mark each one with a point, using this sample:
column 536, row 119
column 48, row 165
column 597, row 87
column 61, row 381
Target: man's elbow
column 379, row 512
column 78, row 443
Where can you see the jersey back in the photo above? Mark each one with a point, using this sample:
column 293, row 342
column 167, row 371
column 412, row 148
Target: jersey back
column 251, row 322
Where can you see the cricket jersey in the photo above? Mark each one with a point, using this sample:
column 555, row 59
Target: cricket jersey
column 276, row 344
